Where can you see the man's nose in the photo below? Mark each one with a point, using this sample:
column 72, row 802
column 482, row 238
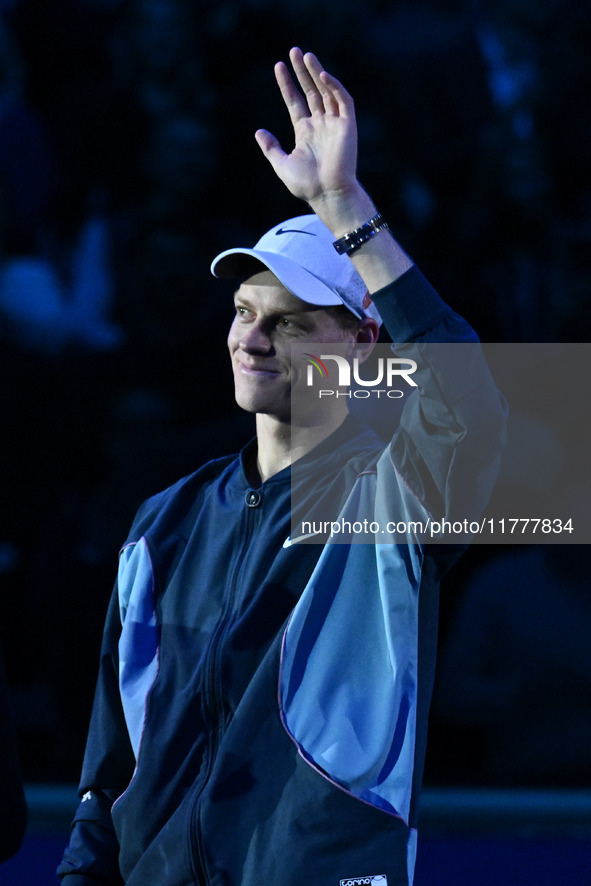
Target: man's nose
column 256, row 339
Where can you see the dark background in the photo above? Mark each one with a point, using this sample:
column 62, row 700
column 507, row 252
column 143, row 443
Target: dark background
column 127, row 161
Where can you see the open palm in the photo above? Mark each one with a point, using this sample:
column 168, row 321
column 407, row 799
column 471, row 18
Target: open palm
column 324, row 158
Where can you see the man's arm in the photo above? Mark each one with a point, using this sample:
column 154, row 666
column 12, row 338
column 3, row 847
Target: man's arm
column 91, row 858
column 322, row 167
column 454, row 435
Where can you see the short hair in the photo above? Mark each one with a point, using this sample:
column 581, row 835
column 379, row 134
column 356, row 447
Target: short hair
column 344, row 318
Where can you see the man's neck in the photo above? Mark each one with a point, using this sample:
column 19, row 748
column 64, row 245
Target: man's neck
column 281, row 443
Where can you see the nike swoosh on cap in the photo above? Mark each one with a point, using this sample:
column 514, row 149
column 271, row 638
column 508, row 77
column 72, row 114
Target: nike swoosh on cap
column 293, row 231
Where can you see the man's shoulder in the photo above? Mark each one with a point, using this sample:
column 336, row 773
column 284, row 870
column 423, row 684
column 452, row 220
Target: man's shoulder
column 175, row 504
column 207, row 473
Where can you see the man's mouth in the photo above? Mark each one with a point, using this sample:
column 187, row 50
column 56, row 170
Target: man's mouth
column 256, row 370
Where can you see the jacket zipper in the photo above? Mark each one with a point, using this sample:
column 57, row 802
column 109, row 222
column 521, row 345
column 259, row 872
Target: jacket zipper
column 215, row 703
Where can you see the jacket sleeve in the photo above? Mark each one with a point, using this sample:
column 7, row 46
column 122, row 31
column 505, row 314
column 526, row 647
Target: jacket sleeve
column 91, row 857
column 450, row 437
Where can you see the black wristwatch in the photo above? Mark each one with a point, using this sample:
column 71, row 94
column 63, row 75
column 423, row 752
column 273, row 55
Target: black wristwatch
column 351, row 242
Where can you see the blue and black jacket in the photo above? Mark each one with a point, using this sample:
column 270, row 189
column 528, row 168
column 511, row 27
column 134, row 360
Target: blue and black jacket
column 261, row 708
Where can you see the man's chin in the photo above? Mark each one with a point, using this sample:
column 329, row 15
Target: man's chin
column 258, row 406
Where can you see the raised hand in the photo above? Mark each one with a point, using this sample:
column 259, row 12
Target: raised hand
column 322, row 167
column 322, row 164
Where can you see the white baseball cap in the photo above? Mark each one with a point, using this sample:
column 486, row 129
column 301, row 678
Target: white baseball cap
column 301, row 254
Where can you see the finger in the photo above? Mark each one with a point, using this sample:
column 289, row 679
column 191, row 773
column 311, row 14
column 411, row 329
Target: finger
column 334, row 94
column 294, row 101
column 307, row 81
column 270, row 147
column 266, row 140
column 322, row 87
column 342, row 98
column 335, row 97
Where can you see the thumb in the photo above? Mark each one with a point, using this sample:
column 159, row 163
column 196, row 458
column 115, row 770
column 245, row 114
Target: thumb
column 269, row 146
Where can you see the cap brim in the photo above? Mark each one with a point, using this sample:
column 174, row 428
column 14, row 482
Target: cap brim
column 234, row 264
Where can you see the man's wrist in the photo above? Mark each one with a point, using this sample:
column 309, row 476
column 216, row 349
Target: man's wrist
column 380, row 260
column 355, row 239
column 345, row 210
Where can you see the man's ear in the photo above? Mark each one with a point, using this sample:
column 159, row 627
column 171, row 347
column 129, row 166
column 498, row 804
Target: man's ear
column 366, row 338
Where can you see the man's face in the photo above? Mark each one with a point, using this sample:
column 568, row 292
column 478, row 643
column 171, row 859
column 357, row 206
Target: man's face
column 268, row 320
